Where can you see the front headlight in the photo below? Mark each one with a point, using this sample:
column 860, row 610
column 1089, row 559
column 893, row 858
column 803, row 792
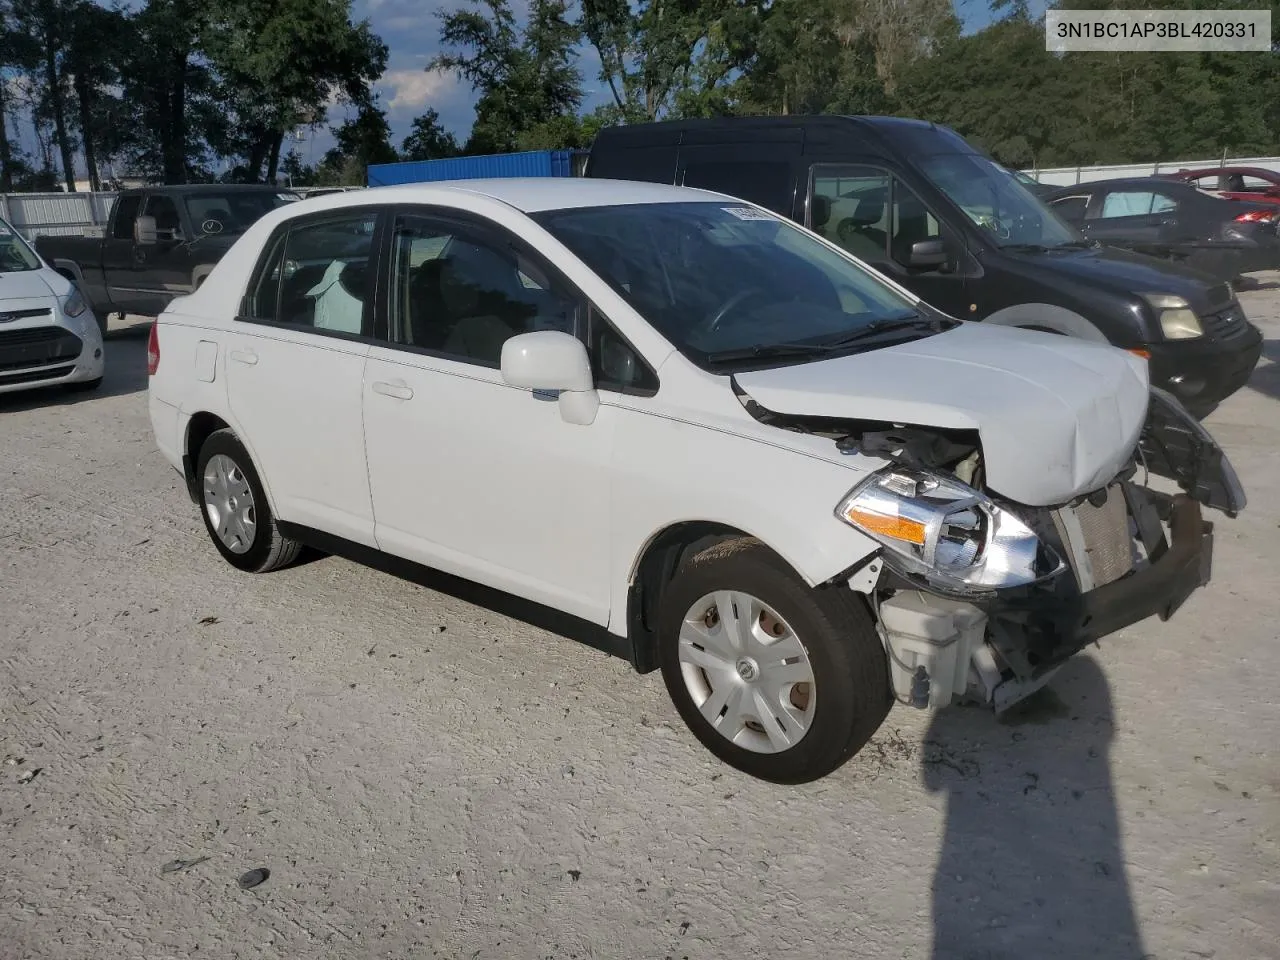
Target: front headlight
column 1177, row 320
column 950, row 534
column 74, row 305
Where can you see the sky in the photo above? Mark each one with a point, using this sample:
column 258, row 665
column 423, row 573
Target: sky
column 411, row 29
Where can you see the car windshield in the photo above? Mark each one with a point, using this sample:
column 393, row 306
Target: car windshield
column 15, row 255
column 234, row 211
column 727, row 283
column 993, row 198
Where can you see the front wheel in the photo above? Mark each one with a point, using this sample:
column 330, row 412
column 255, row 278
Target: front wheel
column 235, row 508
column 777, row 679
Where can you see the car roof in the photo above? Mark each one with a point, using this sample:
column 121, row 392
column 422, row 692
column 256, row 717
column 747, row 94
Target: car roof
column 1089, row 186
column 529, row 194
column 182, row 188
column 1261, row 173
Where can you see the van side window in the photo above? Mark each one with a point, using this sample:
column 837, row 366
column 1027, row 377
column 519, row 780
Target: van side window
column 767, row 184
column 870, row 213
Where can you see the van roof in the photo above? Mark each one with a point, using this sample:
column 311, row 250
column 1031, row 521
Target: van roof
column 915, row 135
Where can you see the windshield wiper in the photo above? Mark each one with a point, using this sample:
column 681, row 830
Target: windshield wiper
column 1025, row 247
column 1077, row 244
column 886, row 325
column 767, row 351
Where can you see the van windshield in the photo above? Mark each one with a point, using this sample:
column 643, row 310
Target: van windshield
column 730, row 284
column 993, row 198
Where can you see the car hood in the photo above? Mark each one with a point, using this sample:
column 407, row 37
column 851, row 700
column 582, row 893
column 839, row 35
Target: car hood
column 1057, row 417
column 1127, row 272
column 23, row 285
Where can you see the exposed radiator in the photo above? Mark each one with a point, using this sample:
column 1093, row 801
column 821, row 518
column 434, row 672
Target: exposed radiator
column 1098, row 539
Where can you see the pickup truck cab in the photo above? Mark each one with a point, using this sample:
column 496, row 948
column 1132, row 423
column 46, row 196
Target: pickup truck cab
column 928, row 210
column 160, row 243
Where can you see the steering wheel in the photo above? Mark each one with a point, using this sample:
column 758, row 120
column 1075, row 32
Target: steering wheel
column 736, row 300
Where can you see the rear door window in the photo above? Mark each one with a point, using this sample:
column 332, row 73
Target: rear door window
column 318, row 275
column 1135, row 203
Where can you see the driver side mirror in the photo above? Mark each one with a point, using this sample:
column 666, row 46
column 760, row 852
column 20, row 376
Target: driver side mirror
column 928, row 253
column 553, row 363
column 144, row 230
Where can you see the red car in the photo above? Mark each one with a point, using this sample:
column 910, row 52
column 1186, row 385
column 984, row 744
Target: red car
column 1255, row 184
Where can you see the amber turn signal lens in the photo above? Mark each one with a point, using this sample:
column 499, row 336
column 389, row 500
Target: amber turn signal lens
column 1144, row 354
column 900, row 528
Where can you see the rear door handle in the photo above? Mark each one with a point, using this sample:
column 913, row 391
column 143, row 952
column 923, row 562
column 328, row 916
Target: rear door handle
column 394, row 388
column 244, row 356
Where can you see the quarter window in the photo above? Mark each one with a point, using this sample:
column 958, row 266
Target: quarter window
column 318, row 275
column 459, row 293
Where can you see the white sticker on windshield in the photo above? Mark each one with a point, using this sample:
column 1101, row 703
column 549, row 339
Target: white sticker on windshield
column 747, row 213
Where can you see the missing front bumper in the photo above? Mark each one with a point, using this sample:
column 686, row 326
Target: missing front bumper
column 1036, row 632
column 1001, row 650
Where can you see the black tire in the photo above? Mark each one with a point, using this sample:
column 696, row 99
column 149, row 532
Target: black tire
column 269, row 549
column 850, row 669
column 85, row 386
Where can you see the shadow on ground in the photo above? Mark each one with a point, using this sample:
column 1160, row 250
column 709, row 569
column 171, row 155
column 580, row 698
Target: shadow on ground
column 1266, row 375
column 1031, row 864
column 125, row 373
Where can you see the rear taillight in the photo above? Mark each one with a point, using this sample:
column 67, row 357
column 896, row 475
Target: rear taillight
column 1256, row 216
column 153, row 350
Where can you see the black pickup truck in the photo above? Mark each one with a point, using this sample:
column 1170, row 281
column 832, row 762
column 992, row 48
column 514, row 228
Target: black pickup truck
column 160, row 243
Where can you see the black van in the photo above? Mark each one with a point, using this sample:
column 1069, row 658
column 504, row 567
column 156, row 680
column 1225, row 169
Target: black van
column 923, row 206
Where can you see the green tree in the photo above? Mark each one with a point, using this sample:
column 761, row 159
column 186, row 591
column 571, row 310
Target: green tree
column 361, row 140
column 48, row 24
column 527, row 80
column 428, row 139
column 281, row 62
column 97, row 38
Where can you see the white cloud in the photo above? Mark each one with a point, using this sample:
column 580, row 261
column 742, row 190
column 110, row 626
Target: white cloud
column 411, row 88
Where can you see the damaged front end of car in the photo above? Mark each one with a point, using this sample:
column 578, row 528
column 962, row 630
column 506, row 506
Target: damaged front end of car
column 982, row 599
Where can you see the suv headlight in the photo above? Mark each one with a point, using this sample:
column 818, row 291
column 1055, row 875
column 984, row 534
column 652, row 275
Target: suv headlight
column 949, row 533
column 1177, row 320
column 75, row 304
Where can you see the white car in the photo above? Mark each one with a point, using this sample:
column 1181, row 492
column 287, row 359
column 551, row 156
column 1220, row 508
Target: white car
column 48, row 334
column 718, row 441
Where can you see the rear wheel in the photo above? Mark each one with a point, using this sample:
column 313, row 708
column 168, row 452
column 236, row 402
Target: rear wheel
column 777, row 679
column 235, row 508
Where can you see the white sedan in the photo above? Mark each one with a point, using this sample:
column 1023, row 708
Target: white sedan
column 48, row 334
column 727, row 448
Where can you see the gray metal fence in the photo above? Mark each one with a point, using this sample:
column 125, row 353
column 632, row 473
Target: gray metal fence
column 1067, row 176
column 57, row 214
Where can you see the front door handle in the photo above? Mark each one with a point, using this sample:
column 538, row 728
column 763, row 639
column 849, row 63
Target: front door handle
column 244, row 356
column 394, row 388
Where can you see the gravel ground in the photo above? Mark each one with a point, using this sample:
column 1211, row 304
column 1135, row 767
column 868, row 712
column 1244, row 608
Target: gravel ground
column 424, row 777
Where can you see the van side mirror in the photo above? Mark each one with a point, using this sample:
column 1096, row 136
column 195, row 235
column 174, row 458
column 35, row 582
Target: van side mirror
column 144, row 230
column 554, row 365
column 928, row 253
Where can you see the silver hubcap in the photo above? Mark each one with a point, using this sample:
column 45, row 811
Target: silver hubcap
column 228, row 501
column 747, row 671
